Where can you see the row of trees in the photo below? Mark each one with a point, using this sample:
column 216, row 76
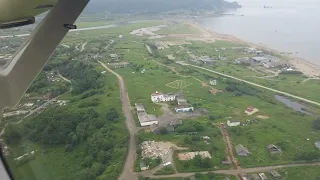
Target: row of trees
column 241, row 89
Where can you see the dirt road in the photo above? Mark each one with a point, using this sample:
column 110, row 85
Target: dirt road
column 235, row 172
column 83, row 46
column 229, row 151
column 254, row 84
column 127, row 173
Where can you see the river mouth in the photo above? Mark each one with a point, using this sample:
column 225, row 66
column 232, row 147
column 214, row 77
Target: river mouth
column 294, row 105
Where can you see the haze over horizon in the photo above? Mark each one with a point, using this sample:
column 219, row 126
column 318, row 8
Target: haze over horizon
column 288, row 26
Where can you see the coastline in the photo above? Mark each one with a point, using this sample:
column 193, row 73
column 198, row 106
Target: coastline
column 308, row 68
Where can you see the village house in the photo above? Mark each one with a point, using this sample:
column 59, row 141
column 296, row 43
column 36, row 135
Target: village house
column 317, row 144
column 181, row 101
column 114, row 56
column 143, row 166
column 263, row 176
column 175, row 123
column 226, row 162
column 233, row 123
column 251, row 110
column 251, row 50
column 274, row 149
column 119, row 65
column 159, row 46
column 213, row 82
column 243, row 60
column 241, row 150
column 144, row 118
column 184, row 108
column 255, row 177
column 160, row 97
column 275, row 174
column 260, row 59
column 206, row 60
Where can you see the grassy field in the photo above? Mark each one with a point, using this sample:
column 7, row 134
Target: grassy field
column 293, row 83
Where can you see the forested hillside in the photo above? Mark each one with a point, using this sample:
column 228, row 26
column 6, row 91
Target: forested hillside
column 156, row 6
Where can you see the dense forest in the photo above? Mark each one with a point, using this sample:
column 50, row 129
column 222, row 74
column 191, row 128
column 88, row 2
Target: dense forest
column 156, row 6
column 78, row 125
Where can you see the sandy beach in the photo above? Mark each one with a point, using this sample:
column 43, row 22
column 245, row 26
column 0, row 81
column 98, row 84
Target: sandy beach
column 306, row 67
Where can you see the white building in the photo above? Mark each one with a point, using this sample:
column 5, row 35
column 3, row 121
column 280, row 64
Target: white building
column 144, row 118
column 213, row 82
column 233, row 123
column 160, row 97
column 185, row 108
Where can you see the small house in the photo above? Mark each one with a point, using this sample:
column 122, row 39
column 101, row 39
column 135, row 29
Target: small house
column 161, row 97
column 251, row 110
column 113, row 56
column 213, row 82
column 206, row 60
column 260, row 59
column 255, row 177
column 263, row 176
column 273, row 149
column 170, row 129
column 175, row 123
column 275, row 174
column 140, row 108
column 241, row 150
column 317, row 145
column 251, row 50
column 233, row 123
column 159, row 46
column 181, row 101
column 154, row 128
column 143, row 166
column 226, row 162
column 206, row 138
column 184, row 108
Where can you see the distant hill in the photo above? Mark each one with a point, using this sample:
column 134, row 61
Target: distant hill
column 156, row 6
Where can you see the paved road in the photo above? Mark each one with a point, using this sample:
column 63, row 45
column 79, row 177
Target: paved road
column 235, row 172
column 127, row 173
column 254, row 84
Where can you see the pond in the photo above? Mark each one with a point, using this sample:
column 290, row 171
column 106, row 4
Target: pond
column 294, row 105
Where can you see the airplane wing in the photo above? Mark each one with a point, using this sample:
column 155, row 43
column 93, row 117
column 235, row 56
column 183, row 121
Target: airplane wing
column 15, row 13
column 17, row 75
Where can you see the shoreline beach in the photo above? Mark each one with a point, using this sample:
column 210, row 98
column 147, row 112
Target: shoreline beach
column 308, row 68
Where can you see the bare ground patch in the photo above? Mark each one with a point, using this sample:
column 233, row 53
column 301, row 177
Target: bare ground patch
column 263, row 117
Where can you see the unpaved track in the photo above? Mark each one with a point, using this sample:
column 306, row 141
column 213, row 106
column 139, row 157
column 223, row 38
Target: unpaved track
column 127, row 173
column 235, row 172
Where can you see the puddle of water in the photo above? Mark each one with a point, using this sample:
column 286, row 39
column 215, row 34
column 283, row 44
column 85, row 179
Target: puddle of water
column 294, row 105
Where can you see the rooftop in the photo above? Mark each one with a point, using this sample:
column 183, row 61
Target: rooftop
column 260, row 59
column 275, row 174
column 157, row 93
column 241, row 149
column 140, row 107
